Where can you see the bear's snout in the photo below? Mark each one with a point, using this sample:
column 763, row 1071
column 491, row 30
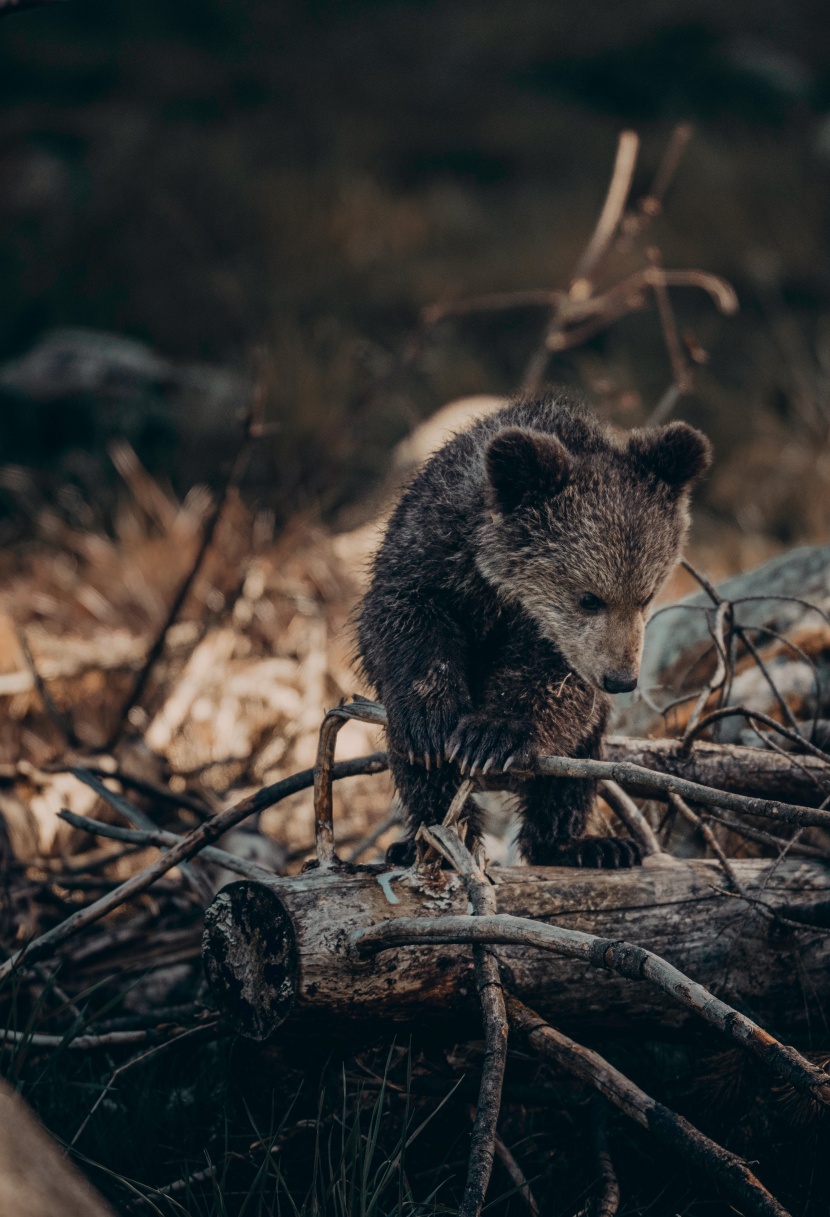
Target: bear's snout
column 619, row 682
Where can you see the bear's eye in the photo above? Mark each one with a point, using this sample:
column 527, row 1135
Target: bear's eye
column 589, row 603
column 647, row 601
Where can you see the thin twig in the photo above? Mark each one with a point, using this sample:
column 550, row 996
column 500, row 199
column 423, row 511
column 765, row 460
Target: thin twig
column 755, row 716
column 140, row 820
column 730, row 1172
column 628, row 147
column 651, row 204
column 659, row 415
column 634, row 820
column 806, row 604
column 691, row 817
column 802, row 654
column 671, row 337
column 782, row 702
column 141, row 785
column 206, row 1031
column 608, row 1200
column 163, row 840
column 251, row 433
column 720, row 602
column 513, row 1169
column 765, row 838
column 62, row 721
column 718, row 678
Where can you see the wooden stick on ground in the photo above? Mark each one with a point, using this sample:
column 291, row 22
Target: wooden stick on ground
column 727, row 1170
column 138, row 820
column 634, row 820
column 482, row 898
column 608, row 1201
column 691, row 817
column 514, row 1170
column 163, row 840
column 252, row 431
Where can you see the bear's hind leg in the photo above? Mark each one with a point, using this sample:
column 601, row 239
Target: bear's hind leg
column 554, row 816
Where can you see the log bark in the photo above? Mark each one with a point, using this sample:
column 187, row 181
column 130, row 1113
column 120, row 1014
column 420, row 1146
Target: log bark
column 748, row 771
column 285, row 948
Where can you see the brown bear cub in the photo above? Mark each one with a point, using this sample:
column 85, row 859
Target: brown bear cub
column 509, row 598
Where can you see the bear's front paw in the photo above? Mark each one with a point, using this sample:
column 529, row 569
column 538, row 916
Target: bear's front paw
column 599, row 853
column 481, row 745
column 419, row 729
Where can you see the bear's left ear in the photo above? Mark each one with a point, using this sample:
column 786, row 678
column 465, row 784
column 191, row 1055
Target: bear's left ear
column 677, row 454
column 525, row 465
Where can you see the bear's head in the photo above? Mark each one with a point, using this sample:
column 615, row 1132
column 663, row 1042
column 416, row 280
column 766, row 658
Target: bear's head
column 583, row 536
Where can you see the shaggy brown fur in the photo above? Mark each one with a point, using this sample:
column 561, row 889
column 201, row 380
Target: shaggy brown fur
column 509, row 597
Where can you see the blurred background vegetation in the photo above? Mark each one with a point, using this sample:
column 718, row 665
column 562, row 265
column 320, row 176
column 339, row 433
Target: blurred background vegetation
column 213, row 178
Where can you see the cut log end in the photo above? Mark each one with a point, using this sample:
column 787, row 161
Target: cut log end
column 251, row 958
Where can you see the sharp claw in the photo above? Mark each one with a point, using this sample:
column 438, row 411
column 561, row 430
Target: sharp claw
column 465, row 764
column 454, row 753
column 439, row 760
column 488, row 765
column 474, row 768
column 411, row 757
column 508, row 762
column 427, row 761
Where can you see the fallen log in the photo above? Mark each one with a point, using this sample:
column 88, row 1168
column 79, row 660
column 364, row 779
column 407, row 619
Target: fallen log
column 754, row 772
column 286, row 947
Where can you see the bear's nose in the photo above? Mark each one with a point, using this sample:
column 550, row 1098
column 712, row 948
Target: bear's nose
column 619, row 682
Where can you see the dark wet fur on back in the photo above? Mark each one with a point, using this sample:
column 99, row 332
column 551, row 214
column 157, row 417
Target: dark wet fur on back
column 475, row 631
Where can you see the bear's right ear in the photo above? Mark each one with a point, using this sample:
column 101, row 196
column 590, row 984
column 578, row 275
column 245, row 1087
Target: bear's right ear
column 525, row 465
column 677, row 454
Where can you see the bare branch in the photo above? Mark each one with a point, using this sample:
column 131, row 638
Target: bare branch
column 624, row 958
column 729, row 1171
column 631, row 816
column 619, row 189
column 163, row 840
column 765, row 838
column 482, row 897
column 513, row 1169
column 608, row 1201
column 691, row 817
column 190, row 845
